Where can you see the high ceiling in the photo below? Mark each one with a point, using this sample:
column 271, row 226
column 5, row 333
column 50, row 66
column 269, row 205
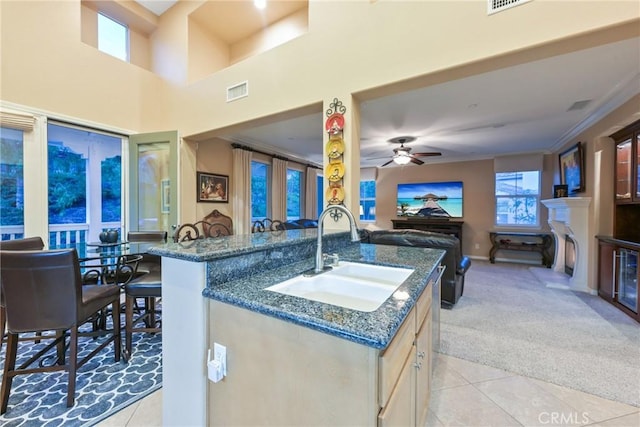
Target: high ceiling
column 531, row 107
column 534, row 107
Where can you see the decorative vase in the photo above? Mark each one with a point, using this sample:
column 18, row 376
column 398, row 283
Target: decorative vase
column 103, row 237
column 112, row 236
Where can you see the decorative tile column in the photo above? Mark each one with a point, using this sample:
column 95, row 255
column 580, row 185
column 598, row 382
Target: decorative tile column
column 569, row 216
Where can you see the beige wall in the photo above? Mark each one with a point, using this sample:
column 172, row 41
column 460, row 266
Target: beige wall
column 287, row 28
column 215, row 157
column 83, row 83
column 478, row 181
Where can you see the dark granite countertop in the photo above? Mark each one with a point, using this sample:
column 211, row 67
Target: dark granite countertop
column 223, row 247
column 374, row 329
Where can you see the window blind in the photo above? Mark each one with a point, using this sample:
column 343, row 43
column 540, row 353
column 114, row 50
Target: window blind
column 20, row 121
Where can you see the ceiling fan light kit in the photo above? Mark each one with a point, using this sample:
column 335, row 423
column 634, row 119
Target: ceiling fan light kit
column 402, row 155
column 402, row 158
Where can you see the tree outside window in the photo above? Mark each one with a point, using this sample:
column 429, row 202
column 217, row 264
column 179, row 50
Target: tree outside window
column 259, row 190
column 294, row 194
column 11, row 179
column 85, row 182
column 368, row 200
column 517, row 196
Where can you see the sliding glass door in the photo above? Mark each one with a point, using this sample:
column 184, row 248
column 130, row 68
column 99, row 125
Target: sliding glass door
column 11, row 183
column 84, row 183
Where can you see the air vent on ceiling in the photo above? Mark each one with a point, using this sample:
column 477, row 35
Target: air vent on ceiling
column 237, row 91
column 495, row 6
column 579, row 105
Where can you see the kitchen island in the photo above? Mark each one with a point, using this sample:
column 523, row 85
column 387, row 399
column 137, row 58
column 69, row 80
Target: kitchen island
column 214, row 291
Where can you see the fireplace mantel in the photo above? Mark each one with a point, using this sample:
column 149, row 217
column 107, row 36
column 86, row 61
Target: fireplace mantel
column 569, row 216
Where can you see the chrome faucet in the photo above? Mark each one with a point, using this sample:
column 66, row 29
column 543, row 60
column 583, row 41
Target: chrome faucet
column 334, row 211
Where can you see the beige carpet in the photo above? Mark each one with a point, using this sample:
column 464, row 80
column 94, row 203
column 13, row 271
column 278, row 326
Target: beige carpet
column 510, row 320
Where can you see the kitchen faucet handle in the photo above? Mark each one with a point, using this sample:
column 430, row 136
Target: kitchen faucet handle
column 334, row 258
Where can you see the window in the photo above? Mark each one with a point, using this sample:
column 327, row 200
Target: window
column 113, row 37
column 294, row 194
column 11, row 183
column 368, row 200
column 517, row 195
column 259, row 190
column 85, row 183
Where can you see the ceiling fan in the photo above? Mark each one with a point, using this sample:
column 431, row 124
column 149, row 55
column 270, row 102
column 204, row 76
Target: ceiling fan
column 402, row 155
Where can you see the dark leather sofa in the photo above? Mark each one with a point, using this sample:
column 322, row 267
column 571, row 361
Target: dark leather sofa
column 456, row 264
column 295, row 224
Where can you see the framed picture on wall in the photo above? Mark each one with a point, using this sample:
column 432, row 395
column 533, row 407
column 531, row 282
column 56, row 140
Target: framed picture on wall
column 572, row 169
column 212, row 188
column 560, row 191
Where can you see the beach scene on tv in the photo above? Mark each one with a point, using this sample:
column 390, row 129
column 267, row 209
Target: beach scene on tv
column 430, row 199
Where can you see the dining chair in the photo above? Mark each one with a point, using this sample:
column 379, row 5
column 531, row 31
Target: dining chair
column 217, row 224
column 24, row 244
column 43, row 291
column 193, row 231
column 266, row 224
column 149, row 262
column 146, row 286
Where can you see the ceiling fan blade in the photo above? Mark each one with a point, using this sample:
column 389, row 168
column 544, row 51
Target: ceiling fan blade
column 428, row 154
column 390, row 161
column 377, row 158
column 416, row 161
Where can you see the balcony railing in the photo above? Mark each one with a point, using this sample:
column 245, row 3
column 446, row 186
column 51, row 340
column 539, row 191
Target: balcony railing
column 62, row 234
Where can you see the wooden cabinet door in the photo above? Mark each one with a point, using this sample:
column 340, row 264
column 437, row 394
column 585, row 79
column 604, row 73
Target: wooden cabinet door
column 424, row 359
column 400, row 409
column 623, row 182
column 636, row 172
column 606, row 265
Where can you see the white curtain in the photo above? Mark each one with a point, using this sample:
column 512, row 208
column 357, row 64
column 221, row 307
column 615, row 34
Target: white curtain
column 310, row 190
column 279, row 190
column 241, row 182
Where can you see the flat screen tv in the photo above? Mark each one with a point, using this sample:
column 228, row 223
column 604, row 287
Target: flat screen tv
column 430, row 200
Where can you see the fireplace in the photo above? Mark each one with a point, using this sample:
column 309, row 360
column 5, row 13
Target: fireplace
column 569, row 222
column 569, row 255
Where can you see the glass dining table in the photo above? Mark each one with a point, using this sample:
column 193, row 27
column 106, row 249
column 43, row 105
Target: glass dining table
column 108, row 262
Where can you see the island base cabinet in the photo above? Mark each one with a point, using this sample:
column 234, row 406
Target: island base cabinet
column 400, row 409
column 408, row 404
column 423, row 370
column 279, row 373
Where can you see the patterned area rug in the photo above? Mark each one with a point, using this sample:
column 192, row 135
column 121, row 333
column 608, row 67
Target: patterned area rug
column 103, row 386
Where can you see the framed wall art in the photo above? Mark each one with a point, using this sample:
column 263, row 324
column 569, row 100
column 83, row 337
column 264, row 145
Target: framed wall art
column 572, row 169
column 212, row 188
column 560, row 191
column 430, row 199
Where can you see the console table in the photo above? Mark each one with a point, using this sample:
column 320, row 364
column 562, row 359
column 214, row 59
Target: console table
column 445, row 226
column 516, row 241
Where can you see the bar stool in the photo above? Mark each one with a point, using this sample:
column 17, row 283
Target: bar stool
column 43, row 291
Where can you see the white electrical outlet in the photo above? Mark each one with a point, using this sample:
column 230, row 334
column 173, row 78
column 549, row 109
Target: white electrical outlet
column 477, row 245
column 220, row 354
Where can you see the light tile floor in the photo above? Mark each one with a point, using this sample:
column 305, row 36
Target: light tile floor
column 469, row 394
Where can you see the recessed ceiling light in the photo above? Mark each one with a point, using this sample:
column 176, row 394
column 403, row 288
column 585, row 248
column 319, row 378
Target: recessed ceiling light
column 260, row 4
